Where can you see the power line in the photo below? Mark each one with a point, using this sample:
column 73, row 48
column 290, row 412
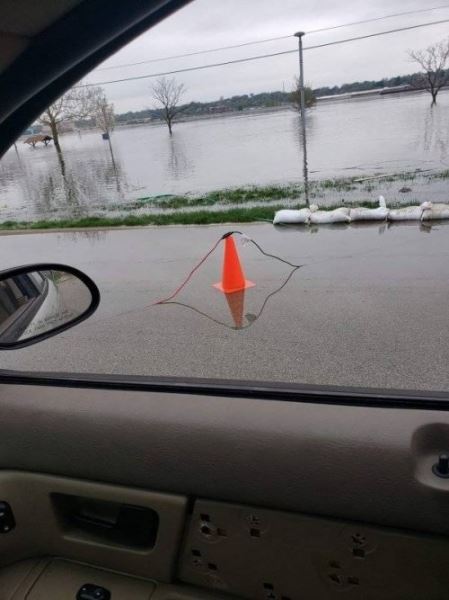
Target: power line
column 272, row 39
column 372, row 20
column 164, row 58
column 377, row 34
column 263, row 56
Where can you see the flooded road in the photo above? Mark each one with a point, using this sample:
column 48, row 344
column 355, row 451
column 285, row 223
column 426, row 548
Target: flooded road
column 388, row 134
column 369, row 306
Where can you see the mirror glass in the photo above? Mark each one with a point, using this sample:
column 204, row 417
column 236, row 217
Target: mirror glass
column 36, row 302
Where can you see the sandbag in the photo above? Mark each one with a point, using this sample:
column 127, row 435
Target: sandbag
column 369, row 214
column 435, row 212
column 408, row 213
column 339, row 215
column 292, row 216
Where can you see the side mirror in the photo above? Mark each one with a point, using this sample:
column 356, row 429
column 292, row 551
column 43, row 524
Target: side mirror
column 41, row 300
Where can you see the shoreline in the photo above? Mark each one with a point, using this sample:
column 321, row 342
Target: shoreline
column 312, row 228
column 247, row 204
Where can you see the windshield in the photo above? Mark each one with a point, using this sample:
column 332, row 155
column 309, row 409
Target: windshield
column 259, row 190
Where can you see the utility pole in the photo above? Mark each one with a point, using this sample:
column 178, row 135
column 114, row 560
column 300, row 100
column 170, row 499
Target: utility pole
column 302, row 105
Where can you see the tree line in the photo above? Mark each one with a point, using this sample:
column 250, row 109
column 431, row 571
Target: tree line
column 278, row 98
column 362, row 86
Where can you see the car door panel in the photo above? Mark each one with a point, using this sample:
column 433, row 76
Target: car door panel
column 233, row 449
column 265, row 498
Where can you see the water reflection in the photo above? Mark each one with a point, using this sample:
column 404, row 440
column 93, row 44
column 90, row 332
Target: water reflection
column 116, row 167
column 435, row 132
column 310, row 129
column 92, row 236
column 68, row 185
column 381, row 226
column 45, row 182
column 178, row 163
column 236, row 305
column 422, row 226
column 11, row 171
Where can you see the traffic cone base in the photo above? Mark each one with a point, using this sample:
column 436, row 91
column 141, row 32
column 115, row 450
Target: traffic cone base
column 245, row 284
column 233, row 278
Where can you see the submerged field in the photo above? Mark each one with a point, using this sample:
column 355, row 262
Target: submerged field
column 252, row 203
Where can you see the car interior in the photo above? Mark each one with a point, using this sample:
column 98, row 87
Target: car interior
column 133, row 487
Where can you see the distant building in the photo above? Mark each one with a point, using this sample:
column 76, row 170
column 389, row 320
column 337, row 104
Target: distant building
column 373, row 92
column 219, row 108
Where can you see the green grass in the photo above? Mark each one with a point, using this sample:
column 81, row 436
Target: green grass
column 375, row 204
column 440, row 175
column 357, row 204
column 402, row 177
column 272, row 193
column 239, row 195
column 340, row 185
column 231, row 196
column 202, row 217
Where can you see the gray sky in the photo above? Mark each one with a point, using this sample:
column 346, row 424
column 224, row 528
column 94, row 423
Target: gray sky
column 206, row 24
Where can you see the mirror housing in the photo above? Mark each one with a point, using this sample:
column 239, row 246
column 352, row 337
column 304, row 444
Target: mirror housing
column 40, row 300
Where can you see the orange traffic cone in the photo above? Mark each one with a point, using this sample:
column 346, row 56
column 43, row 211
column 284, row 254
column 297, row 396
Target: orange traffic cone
column 233, row 279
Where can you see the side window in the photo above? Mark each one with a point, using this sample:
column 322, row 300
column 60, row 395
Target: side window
column 16, row 294
column 38, row 280
column 260, row 191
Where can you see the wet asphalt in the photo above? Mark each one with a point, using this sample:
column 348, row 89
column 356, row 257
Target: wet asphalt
column 369, row 306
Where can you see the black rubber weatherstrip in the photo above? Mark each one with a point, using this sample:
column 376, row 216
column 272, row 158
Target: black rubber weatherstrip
column 272, row 391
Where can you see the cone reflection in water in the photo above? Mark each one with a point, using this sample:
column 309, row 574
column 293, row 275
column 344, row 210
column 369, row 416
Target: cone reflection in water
column 236, row 303
column 233, row 278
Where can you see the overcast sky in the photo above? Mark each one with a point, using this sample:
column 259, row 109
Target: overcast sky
column 206, row 24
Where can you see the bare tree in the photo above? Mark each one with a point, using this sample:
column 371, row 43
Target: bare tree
column 168, row 93
column 103, row 112
column 74, row 104
column 295, row 95
column 432, row 61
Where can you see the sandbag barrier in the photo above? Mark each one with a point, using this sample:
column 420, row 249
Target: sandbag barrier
column 427, row 211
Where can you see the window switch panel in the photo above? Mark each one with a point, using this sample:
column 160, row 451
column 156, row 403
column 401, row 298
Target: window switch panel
column 7, row 521
column 90, row 591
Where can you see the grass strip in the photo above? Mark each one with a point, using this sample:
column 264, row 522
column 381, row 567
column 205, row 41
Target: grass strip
column 202, row 217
